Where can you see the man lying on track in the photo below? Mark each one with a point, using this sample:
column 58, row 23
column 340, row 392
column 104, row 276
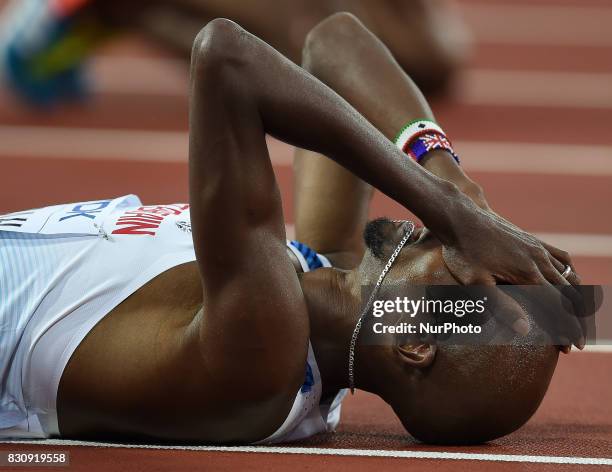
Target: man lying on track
column 120, row 322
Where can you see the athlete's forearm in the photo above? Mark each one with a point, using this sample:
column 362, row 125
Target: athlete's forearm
column 297, row 108
column 342, row 53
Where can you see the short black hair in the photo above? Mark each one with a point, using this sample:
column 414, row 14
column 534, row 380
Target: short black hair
column 374, row 236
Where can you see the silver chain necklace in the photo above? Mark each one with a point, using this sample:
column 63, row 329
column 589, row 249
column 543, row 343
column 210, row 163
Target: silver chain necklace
column 351, row 363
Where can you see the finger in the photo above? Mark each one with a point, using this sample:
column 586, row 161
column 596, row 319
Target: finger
column 568, row 291
column 507, row 310
column 568, row 307
column 560, row 266
column 553, row 275
column 510, row 312
column 559, row 254
column 572, row 277
column 565, row 349
column 587, row 318
column 593, row 300
column 552, row 271
column 553, row 313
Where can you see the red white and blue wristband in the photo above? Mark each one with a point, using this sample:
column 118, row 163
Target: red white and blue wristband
column 419, row 137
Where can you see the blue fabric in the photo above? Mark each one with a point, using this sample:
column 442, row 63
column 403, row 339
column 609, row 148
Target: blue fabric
column 313, row 261
column 308, row 380
column 24, row 51
column 311, row 256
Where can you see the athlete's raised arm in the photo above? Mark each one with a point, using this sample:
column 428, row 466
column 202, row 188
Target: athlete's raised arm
column 342, row 53
column 241, row 89
column 331, row 204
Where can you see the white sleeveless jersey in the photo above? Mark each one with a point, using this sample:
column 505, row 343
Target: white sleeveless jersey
column 63, row 268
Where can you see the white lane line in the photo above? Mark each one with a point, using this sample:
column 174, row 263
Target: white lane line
column 172, row 146
column 535, row 88
column 539, row 24
column 582, row 245
column 342, row 452
column 535, row 158
column 82, row 143
column 168, row 77
column 598, row 348
column 135, row 75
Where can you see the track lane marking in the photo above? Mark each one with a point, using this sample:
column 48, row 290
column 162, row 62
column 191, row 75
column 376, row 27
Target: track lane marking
column 582, row 245
column 43, row 142
column 91, row 143
column 342, row 452
column 535, row 88
column 535, row 158
column 526, row 24
column 597, row 348
column 121, row 75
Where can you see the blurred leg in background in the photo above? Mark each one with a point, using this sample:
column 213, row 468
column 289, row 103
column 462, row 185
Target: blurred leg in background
column 427, row 37
column 45, row 42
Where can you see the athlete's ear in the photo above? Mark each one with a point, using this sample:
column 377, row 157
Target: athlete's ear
column 417, row 355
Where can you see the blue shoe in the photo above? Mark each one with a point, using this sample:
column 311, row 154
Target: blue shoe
column 44, row 49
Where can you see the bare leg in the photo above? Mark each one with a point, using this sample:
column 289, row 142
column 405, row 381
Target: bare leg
column 426, row 36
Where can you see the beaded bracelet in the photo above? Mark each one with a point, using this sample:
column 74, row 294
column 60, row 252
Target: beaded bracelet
column 419, row 137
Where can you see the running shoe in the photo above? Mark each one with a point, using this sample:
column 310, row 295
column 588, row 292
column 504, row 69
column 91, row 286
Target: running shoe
column 43, row 48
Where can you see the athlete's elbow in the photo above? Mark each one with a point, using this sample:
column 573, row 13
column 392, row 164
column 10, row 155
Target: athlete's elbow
column 219, row 45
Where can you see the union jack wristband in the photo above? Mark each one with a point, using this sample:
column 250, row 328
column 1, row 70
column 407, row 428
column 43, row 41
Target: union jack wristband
column 421, row 136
